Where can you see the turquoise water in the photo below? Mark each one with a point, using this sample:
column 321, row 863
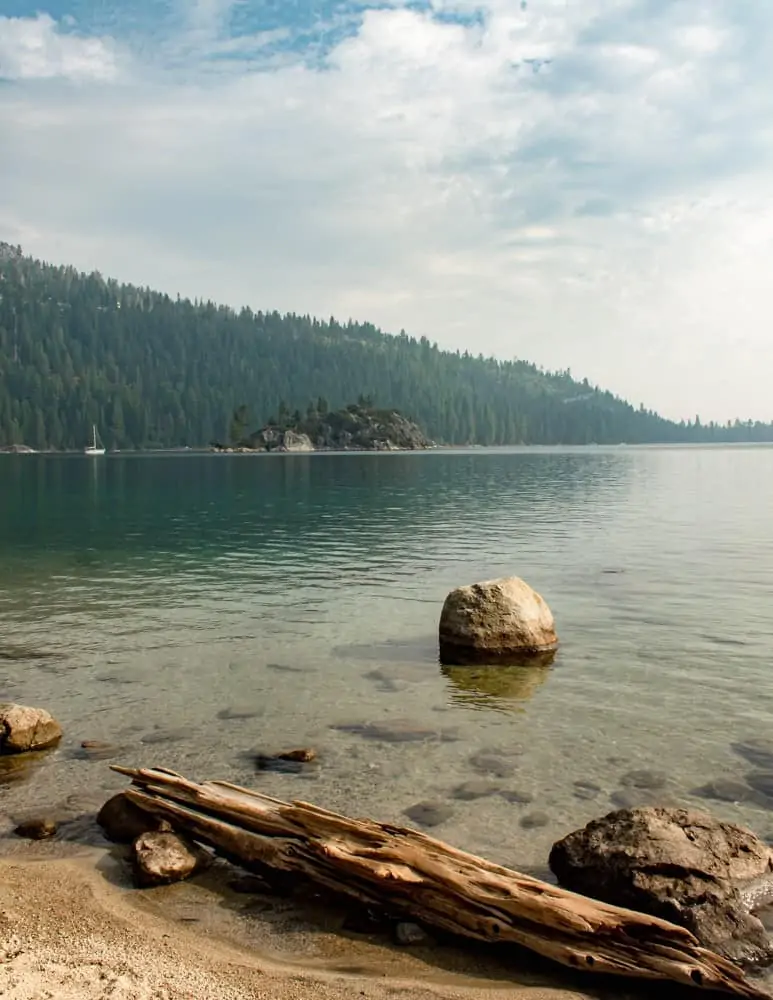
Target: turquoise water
column 193, row 609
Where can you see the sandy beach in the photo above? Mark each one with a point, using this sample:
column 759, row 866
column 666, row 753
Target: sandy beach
column 68, row 932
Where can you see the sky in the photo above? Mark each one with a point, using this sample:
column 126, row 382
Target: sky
column 586, row 184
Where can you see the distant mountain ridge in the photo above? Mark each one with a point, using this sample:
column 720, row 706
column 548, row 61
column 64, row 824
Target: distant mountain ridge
column 153, row 371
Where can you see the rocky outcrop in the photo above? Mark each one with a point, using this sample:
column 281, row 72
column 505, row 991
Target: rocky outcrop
column 677, row 864
column 161, row 857
column 274, row 439
column 496, row 621
column 23, row 728
column 355, row 428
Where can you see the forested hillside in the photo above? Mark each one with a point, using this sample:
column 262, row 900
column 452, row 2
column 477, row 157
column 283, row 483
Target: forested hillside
column 153, row 371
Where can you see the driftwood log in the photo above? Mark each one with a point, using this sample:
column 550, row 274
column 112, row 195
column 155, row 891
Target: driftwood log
column 407, row 872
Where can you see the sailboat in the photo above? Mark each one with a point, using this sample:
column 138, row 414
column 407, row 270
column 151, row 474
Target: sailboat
column 93, row 448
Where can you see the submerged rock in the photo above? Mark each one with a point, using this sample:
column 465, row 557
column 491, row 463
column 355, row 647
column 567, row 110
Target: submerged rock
column 723, row 790
column 677, row 864
column 585, row 790
column 23, row 728
column 468, row 791
column 762, row 782
column 20, row 653
column 161, row 857
column 632, row 798
column 492, row 763
column 234, row 715
column 122, row 821
column 650, row 780
column 517, row 797
column 495, row 621
column 534, row 820
column 429, row 813
column 164, row 736
column 394, row 731
column 758, row 751
column 98, row 750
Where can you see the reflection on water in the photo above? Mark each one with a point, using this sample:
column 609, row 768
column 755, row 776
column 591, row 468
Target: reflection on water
column 206, row 607
column 496, row 687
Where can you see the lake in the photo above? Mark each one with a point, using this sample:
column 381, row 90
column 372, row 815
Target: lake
column 194, row 609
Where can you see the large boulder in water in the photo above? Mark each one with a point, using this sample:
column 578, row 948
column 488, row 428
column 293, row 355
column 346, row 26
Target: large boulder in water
column 495, row 621
column 677, row 864
column 23, row 728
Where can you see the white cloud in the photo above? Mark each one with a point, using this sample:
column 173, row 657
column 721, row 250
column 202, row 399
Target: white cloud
column 35, row 48
column 586, row 185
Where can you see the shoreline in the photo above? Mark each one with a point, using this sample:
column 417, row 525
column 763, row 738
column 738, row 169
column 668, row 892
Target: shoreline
column 437, row 448
column 70, row 929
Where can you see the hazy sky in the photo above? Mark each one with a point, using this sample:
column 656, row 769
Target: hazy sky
column 582, row 183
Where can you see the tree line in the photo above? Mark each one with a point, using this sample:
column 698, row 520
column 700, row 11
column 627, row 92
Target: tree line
column 155, row 371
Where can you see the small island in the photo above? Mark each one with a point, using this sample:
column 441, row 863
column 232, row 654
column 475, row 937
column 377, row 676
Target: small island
column 359, row 426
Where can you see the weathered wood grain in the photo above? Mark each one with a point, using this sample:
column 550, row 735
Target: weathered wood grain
column 407, row 872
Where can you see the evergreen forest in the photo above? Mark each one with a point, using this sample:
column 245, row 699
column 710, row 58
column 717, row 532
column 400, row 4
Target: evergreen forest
column 153, row 371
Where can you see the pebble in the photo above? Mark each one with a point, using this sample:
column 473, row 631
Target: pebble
column 534, row 820
column 410, row 934
column 429, row 813
column 37, row 829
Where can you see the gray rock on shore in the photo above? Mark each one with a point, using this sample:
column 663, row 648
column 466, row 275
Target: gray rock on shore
column 162, row 856
column 496, row 621
column 23, row 728
column 680, row 865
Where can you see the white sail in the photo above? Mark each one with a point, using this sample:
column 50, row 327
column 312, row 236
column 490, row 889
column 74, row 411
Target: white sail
column 94, row 448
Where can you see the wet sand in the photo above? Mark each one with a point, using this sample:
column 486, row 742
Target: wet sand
column 68, row 931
